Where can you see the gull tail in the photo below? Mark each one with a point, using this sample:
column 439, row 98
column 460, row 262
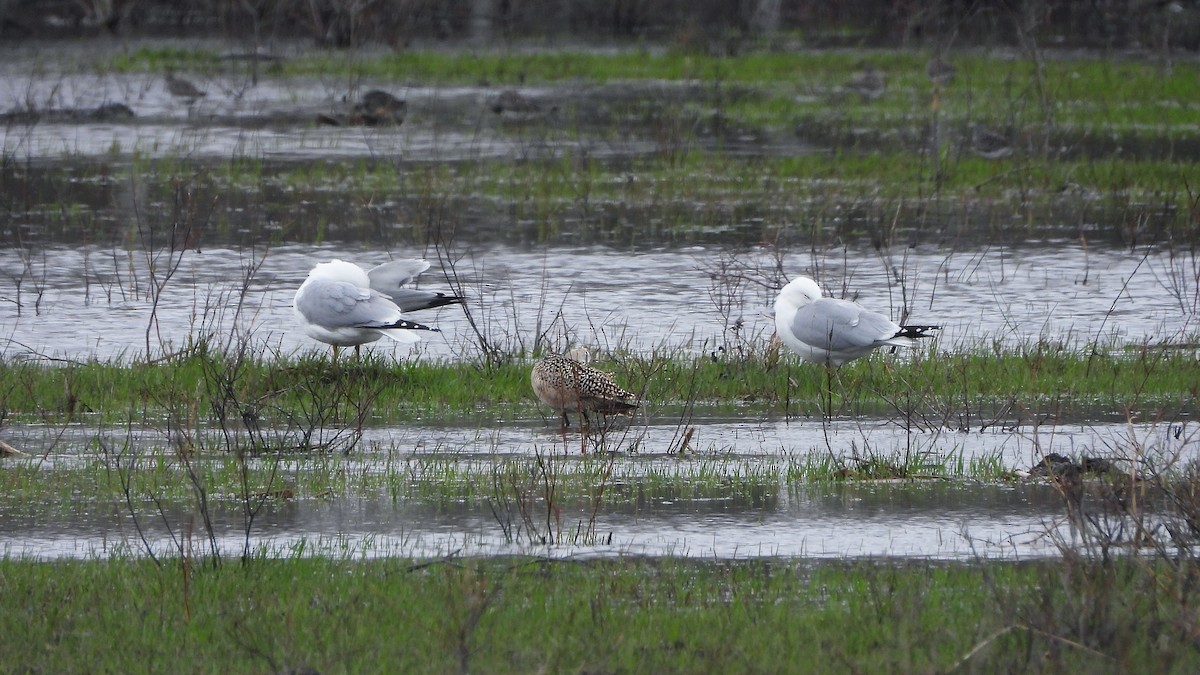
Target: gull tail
column 402, row 330
column 915, row 331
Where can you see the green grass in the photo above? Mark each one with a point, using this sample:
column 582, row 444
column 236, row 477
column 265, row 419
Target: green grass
column 1080, row 78
column 1113, row 614
column 1118, row 123
column 201, row 385
column 788, row 94
column 825, row 467
column 624, row 615
column 769, row 89
column 192, row 413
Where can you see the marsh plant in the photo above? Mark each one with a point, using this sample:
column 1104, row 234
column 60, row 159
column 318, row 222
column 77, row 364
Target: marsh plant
column 196, row 437
column 1179, row 276
column 1128, row 560
column 528, row 503
column 33, row 270
column 251, row 420
column 236, row 451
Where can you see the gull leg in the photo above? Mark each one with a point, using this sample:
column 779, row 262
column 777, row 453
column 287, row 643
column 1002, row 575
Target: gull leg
column 787, row 392
column 828, row 391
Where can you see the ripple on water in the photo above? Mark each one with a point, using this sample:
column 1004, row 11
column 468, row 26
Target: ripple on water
column 728, row 500
column 607, row 298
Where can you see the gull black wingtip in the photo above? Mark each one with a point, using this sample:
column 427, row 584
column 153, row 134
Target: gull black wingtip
column 408, row 325
column 441, row 300
column 916, row 331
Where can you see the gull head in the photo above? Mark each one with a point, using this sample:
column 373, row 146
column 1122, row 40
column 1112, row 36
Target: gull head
column 800, row 292
column 340, row 270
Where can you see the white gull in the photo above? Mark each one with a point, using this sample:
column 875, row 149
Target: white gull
column 339, row 305
column 832, row 332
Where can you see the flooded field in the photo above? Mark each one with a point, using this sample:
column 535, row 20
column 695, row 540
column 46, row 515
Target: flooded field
column 433, row 491
column 612, row 215
column 610, row 299
column 955, row 522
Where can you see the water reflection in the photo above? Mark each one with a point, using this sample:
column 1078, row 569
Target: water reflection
column 730, row 500
column 1064, row 293
column 736, row 447
column 78, row 302
column 935, row 521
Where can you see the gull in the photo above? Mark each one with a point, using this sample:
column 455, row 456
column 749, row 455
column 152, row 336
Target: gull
column 831, row 331
column 568, row 384
column 337, row 306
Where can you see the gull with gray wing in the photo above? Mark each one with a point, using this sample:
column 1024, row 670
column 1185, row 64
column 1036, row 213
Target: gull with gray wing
column 831, row 331
column 337, row 306
column 392, row 279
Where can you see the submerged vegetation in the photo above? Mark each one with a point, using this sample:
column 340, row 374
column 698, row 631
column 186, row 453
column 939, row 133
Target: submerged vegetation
column 188, row 448
column 155, row 471
column 690, row 147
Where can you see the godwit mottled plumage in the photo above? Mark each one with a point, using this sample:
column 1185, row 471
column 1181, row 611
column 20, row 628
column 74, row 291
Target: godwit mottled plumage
column 568, row 384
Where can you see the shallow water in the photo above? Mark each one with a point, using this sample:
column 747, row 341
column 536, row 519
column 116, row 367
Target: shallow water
column 733, row 443
column 939, row 522
column 641, row 300
column 276, row 119
column 82, row 302
column 725, row 498
column 63, row 296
